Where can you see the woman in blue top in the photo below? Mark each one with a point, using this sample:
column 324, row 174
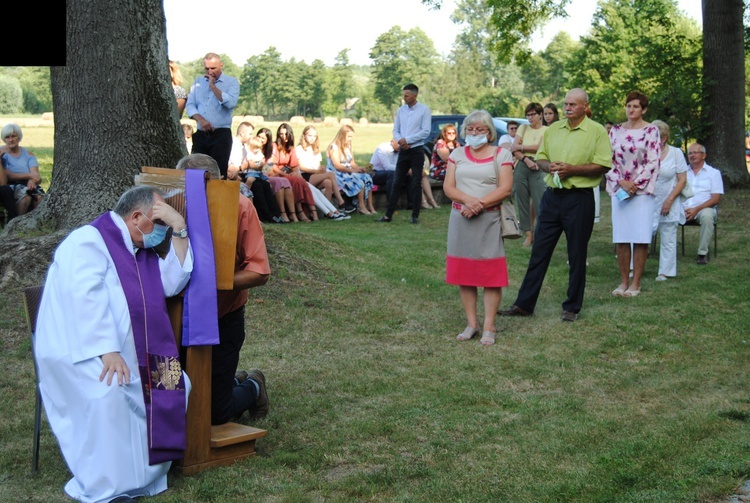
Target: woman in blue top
column 22, row 169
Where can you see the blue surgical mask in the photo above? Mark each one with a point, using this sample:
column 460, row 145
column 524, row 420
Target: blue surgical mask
column 476, row 140
column 156, row 236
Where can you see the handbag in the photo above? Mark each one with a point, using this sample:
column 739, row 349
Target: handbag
column 511, row 228
column 687, row 191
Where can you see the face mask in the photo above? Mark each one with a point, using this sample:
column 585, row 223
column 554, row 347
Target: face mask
column 476, row 140
column 156, row 236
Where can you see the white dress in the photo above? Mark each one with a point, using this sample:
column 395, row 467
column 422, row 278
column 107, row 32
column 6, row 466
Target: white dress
column 83, row 314
column 670, row 166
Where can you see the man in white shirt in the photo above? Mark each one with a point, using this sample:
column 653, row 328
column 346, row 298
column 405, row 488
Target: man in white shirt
column 708, row 188
column 383, row 162
column 506, row 140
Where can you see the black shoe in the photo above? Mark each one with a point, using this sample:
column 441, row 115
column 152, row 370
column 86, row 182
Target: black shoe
column 348, row 209
column 260, row 408
column 702, row 260
column 569, row 316
column 414, row 220
column 123, row 499
column 513, row 310
column 383, row 219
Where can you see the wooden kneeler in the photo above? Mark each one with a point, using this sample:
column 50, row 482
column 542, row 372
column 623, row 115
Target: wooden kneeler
column 207, row 445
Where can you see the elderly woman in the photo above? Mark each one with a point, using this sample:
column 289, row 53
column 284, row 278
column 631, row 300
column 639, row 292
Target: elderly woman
column 668, row 205
column 479, row 177
column 631, row 182
column 22, row 170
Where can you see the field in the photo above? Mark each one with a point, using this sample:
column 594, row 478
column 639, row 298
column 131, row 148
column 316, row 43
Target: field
column 373, row 400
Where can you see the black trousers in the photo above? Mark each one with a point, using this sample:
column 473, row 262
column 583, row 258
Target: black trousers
column 385, row 178
column 227, row 399
column 8, row 200
column 217, row 144
column 409, row 159
column 561, row 210
column 264, row 200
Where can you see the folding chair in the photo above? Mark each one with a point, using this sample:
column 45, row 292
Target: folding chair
column 694, row 223
column 32, row 296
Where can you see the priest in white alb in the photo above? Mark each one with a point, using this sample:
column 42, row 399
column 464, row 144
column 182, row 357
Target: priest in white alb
column 109, row 370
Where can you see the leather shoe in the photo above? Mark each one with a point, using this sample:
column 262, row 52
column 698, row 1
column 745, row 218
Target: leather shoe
column 383, row 219
column 702, row 260
column 123, row 499
column 260, row 408
column 513, row 310
column 414, row 220
column 569, row 316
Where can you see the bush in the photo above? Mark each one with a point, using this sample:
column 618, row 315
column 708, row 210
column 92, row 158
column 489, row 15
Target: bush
column 11, row 97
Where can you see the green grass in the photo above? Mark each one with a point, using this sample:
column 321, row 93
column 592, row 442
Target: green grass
column 373, row 399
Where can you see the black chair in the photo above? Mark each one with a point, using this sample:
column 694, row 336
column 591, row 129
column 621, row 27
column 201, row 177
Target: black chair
column 694, row 223
column 32, row 296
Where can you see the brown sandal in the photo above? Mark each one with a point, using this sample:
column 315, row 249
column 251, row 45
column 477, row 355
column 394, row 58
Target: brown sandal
column 302, row 216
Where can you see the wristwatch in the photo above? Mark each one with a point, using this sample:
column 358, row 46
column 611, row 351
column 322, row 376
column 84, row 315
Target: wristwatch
column 180, row 234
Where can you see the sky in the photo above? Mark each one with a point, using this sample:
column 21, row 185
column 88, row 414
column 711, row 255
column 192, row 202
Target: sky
column 320, row 29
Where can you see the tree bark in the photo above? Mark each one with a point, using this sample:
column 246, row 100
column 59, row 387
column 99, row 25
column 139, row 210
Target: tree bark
column 114, row 112
column 724, row 88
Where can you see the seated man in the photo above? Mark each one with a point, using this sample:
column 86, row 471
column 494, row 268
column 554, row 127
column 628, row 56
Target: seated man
column 506, row 140
column 384, row 167
column 707, row 190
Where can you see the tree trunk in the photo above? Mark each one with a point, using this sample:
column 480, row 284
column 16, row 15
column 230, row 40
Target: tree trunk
column 724, row 88
column 114, row 112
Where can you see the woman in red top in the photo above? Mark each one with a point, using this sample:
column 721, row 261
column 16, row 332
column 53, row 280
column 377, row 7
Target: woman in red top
column 285, row 164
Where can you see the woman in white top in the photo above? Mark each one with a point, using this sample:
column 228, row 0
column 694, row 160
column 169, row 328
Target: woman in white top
column 311, row 166
column 668, row 204
column 318, row 179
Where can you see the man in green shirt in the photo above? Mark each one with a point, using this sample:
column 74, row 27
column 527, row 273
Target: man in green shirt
column 575, row 153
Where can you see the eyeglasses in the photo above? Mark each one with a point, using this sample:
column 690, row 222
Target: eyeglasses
column 480, row 130
column 532, row 114
column 512, row 128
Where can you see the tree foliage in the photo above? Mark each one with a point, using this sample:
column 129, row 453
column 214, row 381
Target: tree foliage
column 645, row 45
column 11, row 97
column 401, row 57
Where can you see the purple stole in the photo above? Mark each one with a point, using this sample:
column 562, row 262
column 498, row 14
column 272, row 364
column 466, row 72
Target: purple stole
column 158, row 360
column 200, row 318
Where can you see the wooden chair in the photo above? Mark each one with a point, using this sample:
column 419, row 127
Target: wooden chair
column 32, row 296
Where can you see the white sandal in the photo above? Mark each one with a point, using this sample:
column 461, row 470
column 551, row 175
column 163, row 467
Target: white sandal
column 467, row 334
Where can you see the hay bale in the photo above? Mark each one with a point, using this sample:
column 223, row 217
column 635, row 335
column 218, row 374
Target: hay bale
column 48, row 117
column 297, row 120
column 346, row 121
column 330, row 121
column 363, row 121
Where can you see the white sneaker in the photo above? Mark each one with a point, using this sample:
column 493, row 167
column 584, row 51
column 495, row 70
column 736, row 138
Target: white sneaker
column 661, row 277
column 339, row 217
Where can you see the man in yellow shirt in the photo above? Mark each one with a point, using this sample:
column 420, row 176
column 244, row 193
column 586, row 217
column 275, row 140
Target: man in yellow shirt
column 575, row 153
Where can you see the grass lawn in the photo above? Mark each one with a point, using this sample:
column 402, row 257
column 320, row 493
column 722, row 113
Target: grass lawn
column 373, row 399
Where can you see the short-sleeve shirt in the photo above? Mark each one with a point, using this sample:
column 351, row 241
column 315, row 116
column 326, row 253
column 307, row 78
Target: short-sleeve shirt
column 708, row 181
column 21, row 164
column 587, row 143
column 251, row 255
